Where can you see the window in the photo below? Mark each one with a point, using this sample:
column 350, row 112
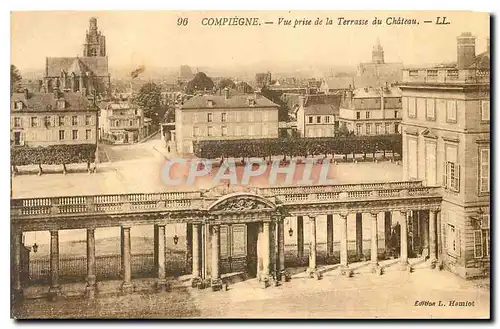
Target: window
column 88, row 120
column 358, row 115
column 18, row 105
column 484, row 170
column 387, row 128
column 453, row 240
column 61, row 103
column 209, row 117
column 47, row 122
column 396, row 128
column 412, row 109
column 395, row 114
column 430, row 112
column 61, row 135
column 378, row 129
column 327, row 119
column 88, row 134
column 451, row 111
column 412, row 158
column 367, row 115
column 130, row 123
column 74, row 134
column 223, row 117
column 358, row 129
column 61, row 120
column 318, row 119
column 196, row 118
column 17, row 122
column 209, row 131
column 452, row 176
column 17, row 138
column 310, row 119
column 74, row 120
column 482, row 238
column 196, row 131
column 224, row 130
column 368, row 129
column 485, row 110
column 34, row 121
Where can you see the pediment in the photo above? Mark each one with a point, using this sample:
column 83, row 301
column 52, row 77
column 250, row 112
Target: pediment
column 242, row 202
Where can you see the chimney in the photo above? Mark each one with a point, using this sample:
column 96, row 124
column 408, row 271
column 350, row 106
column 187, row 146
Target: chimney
column 26, row 93
column 226, row 93
column 466, row 50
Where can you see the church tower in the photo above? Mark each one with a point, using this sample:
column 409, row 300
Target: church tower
column 378, row 53
column 95, row 42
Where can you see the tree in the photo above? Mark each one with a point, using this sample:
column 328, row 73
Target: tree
column 343, row 130
column 149, row 98
column 244, row 87
column 200, row 82
column 275, row 97
column 15, row 79
column 226, row 83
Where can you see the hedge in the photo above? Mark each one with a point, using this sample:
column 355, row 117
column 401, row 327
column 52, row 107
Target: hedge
column 298, row 146
column 52, row 154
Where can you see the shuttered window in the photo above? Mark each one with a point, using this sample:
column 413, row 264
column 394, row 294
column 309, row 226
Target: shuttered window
column 484, row 170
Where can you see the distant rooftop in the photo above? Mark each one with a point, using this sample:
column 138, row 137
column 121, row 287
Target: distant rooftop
column 220, row 101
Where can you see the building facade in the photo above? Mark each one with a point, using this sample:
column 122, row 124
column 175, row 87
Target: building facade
column 87, row 74
column 372, row 111
column 446, row 142
column 121, row 122
column 317, row 115
column 42, row 119
column 215, row 117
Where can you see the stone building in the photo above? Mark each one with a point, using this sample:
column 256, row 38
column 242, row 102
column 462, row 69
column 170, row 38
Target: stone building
column 87, row 73
column 42, row 119
column 317, row 115
column 378, row 72
column 372, row 111
column 122, row 122
column 206, row 117
column 446, row 142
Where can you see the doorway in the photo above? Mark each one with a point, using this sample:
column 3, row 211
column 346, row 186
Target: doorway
column 252, row 237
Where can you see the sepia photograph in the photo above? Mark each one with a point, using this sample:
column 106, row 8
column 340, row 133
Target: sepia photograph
column 250, row 165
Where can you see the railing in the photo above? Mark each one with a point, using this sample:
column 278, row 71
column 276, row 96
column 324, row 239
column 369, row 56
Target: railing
column 446, row 75
column 178, row 201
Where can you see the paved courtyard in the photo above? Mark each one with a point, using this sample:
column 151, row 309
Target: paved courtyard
column 394, row 294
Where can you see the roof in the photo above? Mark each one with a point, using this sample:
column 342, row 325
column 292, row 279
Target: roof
column 322, row 109
column 237, row 101
column 338, row 82
column 322, row 104
column 373, row 81
column 481, row 61
column 97, row 65
column 377, row 92
column 46, row 102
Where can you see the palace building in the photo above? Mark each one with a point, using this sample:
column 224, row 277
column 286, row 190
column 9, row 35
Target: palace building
column 215, row 117
column 87, row 73
column 446, row 142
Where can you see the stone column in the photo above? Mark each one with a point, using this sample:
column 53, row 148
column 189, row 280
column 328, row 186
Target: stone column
column 17, row 249
column 374, row 244
column 126, row 260
column 432, row 238
column 300, row 238
column 329, row 236
column 387, row 230
column 216, row 281
column 55, row 289
column 91, row 265
column 189, row 247
column 312, row 270
column 161, row 284
column 266, row 252
column 281, row 250
column 359, row 236
column 196, row 276
column 155, row 247
column 343, row 241
column 404, row 240
column 425, row 234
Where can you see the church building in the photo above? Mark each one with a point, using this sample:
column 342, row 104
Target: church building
column 87, row 73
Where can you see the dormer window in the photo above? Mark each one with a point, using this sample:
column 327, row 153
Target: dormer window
column 61, row 103
column 210, row 103
column 251, row 102
column 18, row 105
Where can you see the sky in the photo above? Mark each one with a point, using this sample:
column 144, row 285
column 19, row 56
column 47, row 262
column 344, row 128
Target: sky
column 154, row 39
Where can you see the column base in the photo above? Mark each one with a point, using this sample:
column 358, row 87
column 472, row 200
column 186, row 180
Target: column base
column 265, row 280
column 216, row 284
column 195, row 282
column 405, row 266
column 285, row 276
column 54, row 293
column 161, row 285
column 377, row 269
column 90, row 291
column 127, row 287
column 432, row 263
column 346, row 271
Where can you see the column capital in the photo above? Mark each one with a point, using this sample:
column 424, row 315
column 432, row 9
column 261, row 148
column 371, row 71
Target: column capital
column 374, row 214
column 312, row 217
column 404, row 212
column 435, row 209
column 343, row 214
column 54, row 232
column 215, row 229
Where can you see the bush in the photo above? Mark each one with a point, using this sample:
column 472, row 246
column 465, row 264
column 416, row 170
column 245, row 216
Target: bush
column 297, row 146
column 52, row 154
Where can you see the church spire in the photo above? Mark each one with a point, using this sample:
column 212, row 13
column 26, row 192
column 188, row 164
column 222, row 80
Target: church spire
column 95, row 42
column 378, row 53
